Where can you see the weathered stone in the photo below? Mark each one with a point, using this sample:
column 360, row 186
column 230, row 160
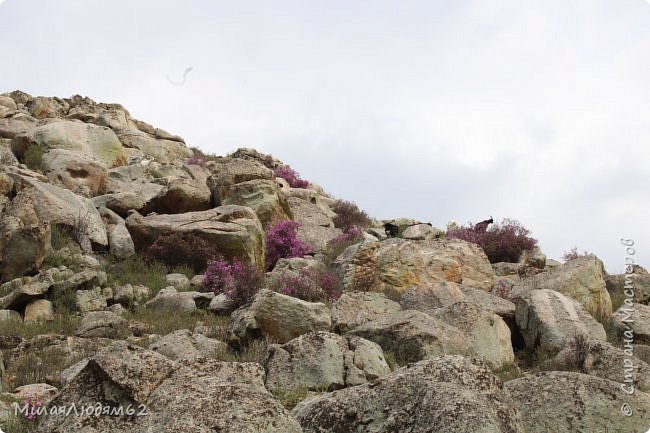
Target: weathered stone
column 601, row 359
column 638, row 279
column 90, row 300
column 353, row 309
column 582, row 279
column 534, row 258
column 169, row 299
column 124, row 294
column 322, row 360
column 279, row 317
column 487, row 301
column 559, row 401
column 24, row 238
column 413, row 336
column 38, row 311
column 183, row 344
column 102, row 324
column 222, row 304
column 261, row 195
column 443, row 395
column 488, row 332
column 634, row 319
column 422, row 232
column 80, row 173
column 119, row 239
column 178, row 281
column 139, row 377
column 9, row 315
column 23, row 295
column 317, row 228
column 181, row 196
column 97, row 141
column 548, row 319
column 396, row 265
column 44, row 391
column 430, row 298
column 234, row 229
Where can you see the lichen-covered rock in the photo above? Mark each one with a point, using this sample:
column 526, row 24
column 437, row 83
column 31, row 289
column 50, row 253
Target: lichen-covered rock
column 80, row 173
column 638, row 280
column 396, row 265
column 261, row 195
column 214, row 396
column 582, row 279
column 119, row 239
column 181, row 196
column 90, row 300
column 178, row 281
column 412, row 336
column 280, row 317
column 322, row 360
column 102, row 324
column 169, row 299
column 317, row 227
column 635, row 320
column 488, row 332
column 184, row 344
column 548, row 319
column 97, row 141
column 601, row 359
column 353, row 309
column 429, row 298
column 559, row 401
column 448, row 394
column 488, row 301
column 235, row 230
column 40, row 310
column 422, row 232
column 24, row 238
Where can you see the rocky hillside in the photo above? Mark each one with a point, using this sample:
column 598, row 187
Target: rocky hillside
column 147, row 286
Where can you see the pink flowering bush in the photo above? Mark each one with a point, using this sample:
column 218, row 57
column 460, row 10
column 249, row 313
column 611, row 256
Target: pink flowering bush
column 308, row 285
column 502, row 242
column 195, row 160
column 33, row 404
column 336, row 246
column 282, row 242
column 291, row 176
column 238, row 280
column 349, row 215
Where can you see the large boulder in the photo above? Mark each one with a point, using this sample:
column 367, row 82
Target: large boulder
column 40, row 310
column 119, row 239
column 412, row 336
column 638, row 280
column 633, row 322
column 24, row 238
column 97, row 141
column 353, row 309
column 582, row 279
column 235, row 230
column 216, row 396
column 430, row 298
column 261, row 195
column 448, row 394
column 488, row 301
column 169, row 299
column 559, row 401
column 63, row 207
column 279, row 317
column 103, row 324
column 395, row 265
column 322, row 360
column 81, row 173
column 181, row 196
column 489, row 333
column 549, row 320
column 183, row 344
column 601, row 359
column 317, row 227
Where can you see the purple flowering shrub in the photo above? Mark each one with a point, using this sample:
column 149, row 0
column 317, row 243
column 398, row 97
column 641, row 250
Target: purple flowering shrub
column 282, row 242
column 181, row 249
column 504, row 291
column 308, row 285
column 291, row 176
column 238, row 280
column 195, row 160
column 34, row 405
column 502, row 242
column 349, row 215
column 334, row 248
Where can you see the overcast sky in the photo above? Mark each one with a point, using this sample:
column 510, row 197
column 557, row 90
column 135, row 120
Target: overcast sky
column 535, row 110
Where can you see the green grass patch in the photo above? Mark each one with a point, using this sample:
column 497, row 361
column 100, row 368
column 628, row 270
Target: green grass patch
column 33, row 157
column 163, row 322
column 62, row 325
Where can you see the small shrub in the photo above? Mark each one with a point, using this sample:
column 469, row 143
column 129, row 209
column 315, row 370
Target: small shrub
column 64, row 325
column 196, row 160
column 33, row 157
column 291, row 176
column 573, row 254
column 61, row 236
column 181, row 249
column 136, row 270
column 307, row 285
column 508, row 372
column 502, row 242
column 120, row 161
column 239, row 280
column 391, row 360
column 504, row 291
column 349, row 215
column 64, row 300
column 33, row 403
column 282, row 242
column 80, row 227
column 336, row 246
column 291, row 397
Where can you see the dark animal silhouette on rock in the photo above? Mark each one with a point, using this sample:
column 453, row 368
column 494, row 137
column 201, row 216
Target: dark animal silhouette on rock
column 483, row 225
column 391, row 230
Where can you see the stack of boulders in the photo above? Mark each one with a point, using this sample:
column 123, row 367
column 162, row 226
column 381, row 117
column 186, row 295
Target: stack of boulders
column 427, row 336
